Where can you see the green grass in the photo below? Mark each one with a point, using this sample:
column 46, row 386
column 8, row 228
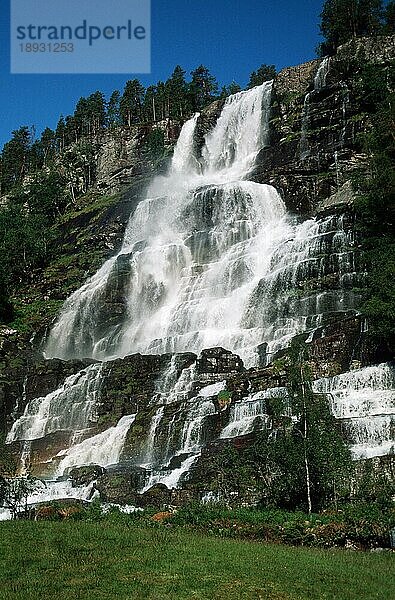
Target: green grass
column 104, row 560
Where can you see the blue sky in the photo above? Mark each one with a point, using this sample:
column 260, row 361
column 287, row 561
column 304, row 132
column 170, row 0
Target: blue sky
column 231, row 37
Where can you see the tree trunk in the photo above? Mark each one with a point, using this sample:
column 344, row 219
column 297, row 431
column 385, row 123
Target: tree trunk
column 306, row 462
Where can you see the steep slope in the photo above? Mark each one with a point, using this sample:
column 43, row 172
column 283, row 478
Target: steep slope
column 212, row 256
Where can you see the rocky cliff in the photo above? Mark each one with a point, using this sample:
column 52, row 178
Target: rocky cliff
column 318, row 112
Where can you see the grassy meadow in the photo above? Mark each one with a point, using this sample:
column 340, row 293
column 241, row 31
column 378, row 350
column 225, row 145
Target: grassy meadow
column 103, row 560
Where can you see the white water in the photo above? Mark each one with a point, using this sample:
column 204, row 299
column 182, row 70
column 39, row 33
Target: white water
column 150, row 443
column 210, row 256
column 322, row 73
column 210, row 259
column 103, row 449
column 69, row 408
column 171, row 478
column 245, row 413
column 365, row 400
column 319, row 84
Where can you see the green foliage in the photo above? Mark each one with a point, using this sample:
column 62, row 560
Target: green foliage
column 89, row 115
column 28, row 316
column 229, row 90
column 203, row 88
column 14, row 492
column 375, row 206
column 23, row 241
column 8, row 464
column 15, row 159
column 113, row 109
column 342, row 20
column 154, row 145
column 131, row 102
column 264, row 73
column 229, row 473
column 224, row 396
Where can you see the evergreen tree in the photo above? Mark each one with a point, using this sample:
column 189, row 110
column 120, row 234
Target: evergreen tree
column 60, row 134
column 150, row 104
column 342, row 20
column 264, row 73
column 161, row 96
column 203, row 88
column 389, row 18
column 96, row 109
column 229, row 90
column 113, row 109
column 370, row 17
column 176, row 89
column 15, row 158
column 131, row 102
column 47, row 142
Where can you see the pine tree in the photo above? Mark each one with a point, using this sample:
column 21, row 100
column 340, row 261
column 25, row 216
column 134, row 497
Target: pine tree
column 113, row 109
column 176, row 88
column 203, row 88
column 131, row 102
column 229, row 90
column 15, row 158
column 150, row 104
column 264, row 73
column 342, row 20
column 60, row 134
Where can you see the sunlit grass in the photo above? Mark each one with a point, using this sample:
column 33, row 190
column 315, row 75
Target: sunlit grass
column 79, row 560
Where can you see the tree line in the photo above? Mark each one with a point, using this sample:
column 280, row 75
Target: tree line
column 342, row 20
column 175, row 98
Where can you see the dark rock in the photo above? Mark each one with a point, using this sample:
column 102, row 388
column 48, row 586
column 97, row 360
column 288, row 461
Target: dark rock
column 85, row 475
column 219, row 360
column 157, row 496
column 118, row 488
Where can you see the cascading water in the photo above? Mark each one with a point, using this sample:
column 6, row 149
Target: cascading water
column 245, row 414
column 319, row 84
column 322, row 73
column 206, row 253
column 102, row 449
column 69, row 408
column 208, row 259
column 196, row 410
column 364, row 400
column 190, row 248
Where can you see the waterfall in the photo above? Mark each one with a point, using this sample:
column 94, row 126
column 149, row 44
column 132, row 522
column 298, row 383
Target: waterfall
column 322, row 73
column 319, row 84
column 247, row 412
column 304, row 145
column 69, row 408
column 190, row 249
column 196, row 410
column 364, row 400
column 103, row 449
column 209, row 258
column 150, row 443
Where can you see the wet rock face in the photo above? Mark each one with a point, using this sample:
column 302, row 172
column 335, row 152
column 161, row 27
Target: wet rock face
column 129, row 384
column 85, row 475
column 219, row 360
column 314, row 129
column 121, row 159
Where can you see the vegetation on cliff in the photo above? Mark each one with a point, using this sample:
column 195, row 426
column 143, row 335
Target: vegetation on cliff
column 375, row 205
column 342, row 20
